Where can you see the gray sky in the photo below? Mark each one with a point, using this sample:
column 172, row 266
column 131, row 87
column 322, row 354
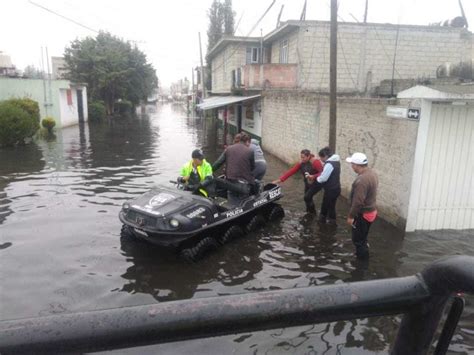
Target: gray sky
column 167, row 31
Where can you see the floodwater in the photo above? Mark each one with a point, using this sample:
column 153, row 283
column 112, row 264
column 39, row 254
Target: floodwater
column 60, row 249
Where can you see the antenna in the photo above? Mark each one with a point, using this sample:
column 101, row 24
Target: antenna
column 279, row 15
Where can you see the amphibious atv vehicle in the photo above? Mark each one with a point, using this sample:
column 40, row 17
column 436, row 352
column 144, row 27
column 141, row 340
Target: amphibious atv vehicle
column 191, row 224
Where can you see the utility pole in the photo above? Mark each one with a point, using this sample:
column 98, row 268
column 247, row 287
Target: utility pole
column 203, row 81
column 193, row 93
column 333, row 77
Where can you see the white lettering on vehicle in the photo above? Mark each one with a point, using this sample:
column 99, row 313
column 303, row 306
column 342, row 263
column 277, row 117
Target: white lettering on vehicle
column 260, row 202
column 234, row 212
column 196, row 213
column 275, row 193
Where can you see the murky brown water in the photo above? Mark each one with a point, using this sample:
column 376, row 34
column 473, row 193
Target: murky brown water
column 60, row 249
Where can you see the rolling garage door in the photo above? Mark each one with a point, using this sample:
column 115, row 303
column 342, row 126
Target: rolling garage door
column 446, row 198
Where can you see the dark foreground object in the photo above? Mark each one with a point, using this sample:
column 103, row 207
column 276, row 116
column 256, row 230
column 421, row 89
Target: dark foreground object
column 191, row 224
column 421, row 298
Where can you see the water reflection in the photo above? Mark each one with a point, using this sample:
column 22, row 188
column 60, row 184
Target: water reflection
column 59, row 239
column 166, row 278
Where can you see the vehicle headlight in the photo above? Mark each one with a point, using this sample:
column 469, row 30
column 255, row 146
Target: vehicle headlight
column 174, row 223
column 126, row 206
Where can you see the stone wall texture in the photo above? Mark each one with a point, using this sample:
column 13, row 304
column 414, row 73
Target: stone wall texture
column 295, row 119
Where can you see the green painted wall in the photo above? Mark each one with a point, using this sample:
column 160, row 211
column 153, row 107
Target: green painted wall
column 34, row 89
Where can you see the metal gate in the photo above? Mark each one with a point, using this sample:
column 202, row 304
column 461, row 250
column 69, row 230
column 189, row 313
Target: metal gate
column 446, row 196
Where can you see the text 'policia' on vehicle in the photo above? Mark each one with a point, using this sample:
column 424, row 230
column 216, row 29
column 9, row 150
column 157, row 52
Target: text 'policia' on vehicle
column 192, row 225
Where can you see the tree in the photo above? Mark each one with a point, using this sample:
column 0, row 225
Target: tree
column 111, row 68
column 221, row 22
column 229, row 16
column 31, row 72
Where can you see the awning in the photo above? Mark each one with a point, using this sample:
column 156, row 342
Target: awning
column 219, row 101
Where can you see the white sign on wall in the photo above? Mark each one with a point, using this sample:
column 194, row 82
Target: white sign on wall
column 403, row 112
column 397, row 112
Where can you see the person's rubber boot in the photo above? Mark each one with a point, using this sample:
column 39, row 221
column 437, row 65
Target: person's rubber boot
column 322, row 219
column 331, row 222
column 311, row 209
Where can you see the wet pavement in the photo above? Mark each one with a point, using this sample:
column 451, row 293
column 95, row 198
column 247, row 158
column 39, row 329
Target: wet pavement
column 61, row 252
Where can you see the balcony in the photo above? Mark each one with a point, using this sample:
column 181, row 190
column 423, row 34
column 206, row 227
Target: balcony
column 267, row 76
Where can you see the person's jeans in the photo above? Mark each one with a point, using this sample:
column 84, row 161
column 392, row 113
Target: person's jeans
column 309, row 191
column 328, row 206
column 360, row 231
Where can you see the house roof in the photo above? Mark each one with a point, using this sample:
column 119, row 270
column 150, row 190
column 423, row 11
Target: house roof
column 287, row 27
column 226, row 40
column 219, row 101
column 439, row 92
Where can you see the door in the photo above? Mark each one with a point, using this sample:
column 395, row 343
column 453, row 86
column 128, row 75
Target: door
column 80, row 106
column 446, row 197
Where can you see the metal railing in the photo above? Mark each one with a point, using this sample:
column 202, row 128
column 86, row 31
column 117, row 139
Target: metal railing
column 421, row 298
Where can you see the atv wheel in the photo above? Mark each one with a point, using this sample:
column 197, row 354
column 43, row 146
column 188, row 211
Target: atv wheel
column 232, row 233
column 199, row 250
column 125, row 232
column 276, row 213
column 255, row 222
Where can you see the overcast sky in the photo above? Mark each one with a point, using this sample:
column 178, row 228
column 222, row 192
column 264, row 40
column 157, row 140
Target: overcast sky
column 167, row 31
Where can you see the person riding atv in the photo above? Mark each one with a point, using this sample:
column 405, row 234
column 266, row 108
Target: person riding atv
column 196, row 175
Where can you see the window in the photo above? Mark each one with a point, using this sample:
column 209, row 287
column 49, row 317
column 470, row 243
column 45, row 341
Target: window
column 284, row 51
column 253, row 55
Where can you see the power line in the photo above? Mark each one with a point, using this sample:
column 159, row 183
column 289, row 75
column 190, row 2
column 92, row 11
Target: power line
column 64, row 17
column 248, row 35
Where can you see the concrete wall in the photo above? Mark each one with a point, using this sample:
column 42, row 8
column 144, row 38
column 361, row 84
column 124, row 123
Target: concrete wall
column 230, row 58
column 292, row 48
column 365, row 53
column 35, row 89
column 294, row 120
column 69, row 113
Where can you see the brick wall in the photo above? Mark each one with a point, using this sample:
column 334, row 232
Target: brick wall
column 257, row 76
column 365, row 53
column 293, row 120
column 230, row 58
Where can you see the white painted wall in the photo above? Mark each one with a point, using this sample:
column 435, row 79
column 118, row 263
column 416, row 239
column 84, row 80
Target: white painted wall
column 69, row 114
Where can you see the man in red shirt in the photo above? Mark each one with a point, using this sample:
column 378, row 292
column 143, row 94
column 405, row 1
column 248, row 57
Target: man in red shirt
column 310, row 168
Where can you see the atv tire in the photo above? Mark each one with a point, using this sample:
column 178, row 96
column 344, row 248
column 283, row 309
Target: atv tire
column 276, row 213
column 255, row 223
column 191, row 255
column 233, row 232
column 126, row 233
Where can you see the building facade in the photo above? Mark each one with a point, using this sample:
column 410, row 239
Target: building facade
column 64, row 101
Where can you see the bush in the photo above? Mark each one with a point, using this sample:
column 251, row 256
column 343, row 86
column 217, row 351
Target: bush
column 96, row 111
column 124, row 107
column 48, row 123
column 16, row 123
column 29, row 106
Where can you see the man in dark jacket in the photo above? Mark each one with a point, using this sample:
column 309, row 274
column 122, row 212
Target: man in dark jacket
column 240, row 162
column 330, row 180
column 363, row 203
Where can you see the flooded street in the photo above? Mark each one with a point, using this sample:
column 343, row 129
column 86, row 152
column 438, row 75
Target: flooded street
column 61, row 251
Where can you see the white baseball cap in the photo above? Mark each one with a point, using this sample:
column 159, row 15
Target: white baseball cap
column 357, row 158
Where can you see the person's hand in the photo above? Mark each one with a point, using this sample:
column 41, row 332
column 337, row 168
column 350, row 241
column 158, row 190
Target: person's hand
column 276, row 182
column 185, row 178
column 350, row 221
column 310, row 178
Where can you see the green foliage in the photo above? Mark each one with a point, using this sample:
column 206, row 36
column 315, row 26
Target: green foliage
column 221, row 22
column 96, row 111
column 48, row 123
column 32, row 72
column 30, row 106
column 124, row 107
column 112, row 69
column 16, row 122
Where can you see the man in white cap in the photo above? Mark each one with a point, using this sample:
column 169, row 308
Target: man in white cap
column 363, row 203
